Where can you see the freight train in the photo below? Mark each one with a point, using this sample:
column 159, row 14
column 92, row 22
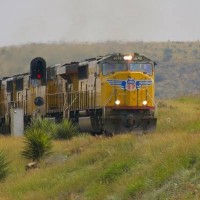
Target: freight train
column 112, row 93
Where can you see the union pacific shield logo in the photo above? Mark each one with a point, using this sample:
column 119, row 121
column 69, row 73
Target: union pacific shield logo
column 130, row 85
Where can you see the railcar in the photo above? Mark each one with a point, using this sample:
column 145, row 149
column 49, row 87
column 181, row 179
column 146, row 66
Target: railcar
column 107, row 94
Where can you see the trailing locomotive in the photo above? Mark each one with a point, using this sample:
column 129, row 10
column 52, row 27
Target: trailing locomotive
column 112, row 93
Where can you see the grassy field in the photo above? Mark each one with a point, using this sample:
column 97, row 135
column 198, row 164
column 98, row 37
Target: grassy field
column 163, row 165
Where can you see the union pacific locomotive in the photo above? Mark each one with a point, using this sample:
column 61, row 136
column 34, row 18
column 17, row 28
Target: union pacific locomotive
column 112, row 93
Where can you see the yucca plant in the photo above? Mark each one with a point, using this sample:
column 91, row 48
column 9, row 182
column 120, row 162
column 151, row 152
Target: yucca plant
column 66, row 130
column 4, row 166
column 45, row 125
column 37, row 144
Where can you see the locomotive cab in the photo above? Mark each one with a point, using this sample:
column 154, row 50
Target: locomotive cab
column 128, row 93
column 115, row 94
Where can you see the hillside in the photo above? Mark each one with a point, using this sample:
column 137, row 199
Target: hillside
column 163, row 165
column 178, row 67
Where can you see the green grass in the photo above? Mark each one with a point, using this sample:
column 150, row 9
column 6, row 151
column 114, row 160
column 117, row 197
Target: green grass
column 4, row 166
column 163, row 165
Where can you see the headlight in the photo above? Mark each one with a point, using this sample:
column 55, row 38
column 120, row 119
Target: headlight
column 128, row 57
column 117, row 102
column 144, row 103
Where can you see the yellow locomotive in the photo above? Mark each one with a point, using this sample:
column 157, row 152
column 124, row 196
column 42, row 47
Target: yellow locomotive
column 112, row 93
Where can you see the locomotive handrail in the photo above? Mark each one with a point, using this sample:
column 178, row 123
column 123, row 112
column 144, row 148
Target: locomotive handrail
column 55, row 93
column 67, row 108
column 71, row 103
column 152, row 100
column 109, row 98
column 104, row 107
column 55, row 101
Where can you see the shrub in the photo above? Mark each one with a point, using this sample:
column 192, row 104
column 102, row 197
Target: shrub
column 40, row 124
column 38, row 144
column 4, row 170
column 66, row 130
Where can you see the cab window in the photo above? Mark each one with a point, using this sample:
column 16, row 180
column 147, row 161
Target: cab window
column 111, row 67
column 141, row 67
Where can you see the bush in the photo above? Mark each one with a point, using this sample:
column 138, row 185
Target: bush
column 66, row 130
column 3, row 166
column 38, row 144
column 43, row 125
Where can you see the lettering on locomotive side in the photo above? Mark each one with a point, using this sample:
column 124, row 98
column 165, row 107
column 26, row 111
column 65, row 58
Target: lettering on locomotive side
column 118, row 58
column 138, row 58
column 121, row 58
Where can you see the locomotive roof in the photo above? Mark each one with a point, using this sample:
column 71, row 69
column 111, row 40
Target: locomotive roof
column 73, row 65
column 124, row 54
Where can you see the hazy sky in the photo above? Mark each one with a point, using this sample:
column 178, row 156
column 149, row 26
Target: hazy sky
column 33, row 21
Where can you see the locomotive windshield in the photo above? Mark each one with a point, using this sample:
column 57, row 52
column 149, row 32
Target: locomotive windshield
column 111, row 67
column 141, row 67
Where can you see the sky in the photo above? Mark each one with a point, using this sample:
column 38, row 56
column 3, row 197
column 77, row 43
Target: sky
column 57, row 21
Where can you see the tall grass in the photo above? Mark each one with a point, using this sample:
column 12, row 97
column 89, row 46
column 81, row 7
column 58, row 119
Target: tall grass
column 123, row 167
column 163, row 165
column 180, row 115
column 4, row 166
